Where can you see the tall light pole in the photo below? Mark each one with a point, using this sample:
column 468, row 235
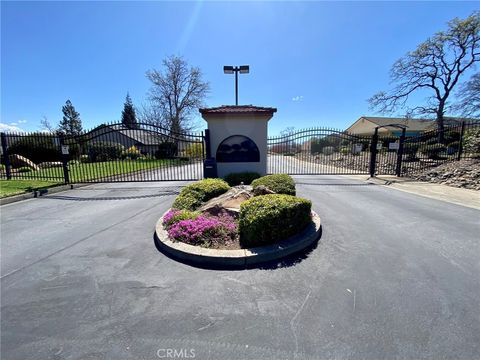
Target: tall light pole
column 243, row 69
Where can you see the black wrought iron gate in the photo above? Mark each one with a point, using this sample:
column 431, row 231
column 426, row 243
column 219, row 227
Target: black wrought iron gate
column 108, row 153
column 318, row 151
column 331, row 151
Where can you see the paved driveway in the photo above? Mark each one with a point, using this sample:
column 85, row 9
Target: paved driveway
column 394, row 276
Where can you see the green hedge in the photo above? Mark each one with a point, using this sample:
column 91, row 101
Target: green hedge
column 246, row 177
column 37, row 148
column 166, row 150
column 105, row 151
column 270, row 218
column 279, row 183
column 193, row 195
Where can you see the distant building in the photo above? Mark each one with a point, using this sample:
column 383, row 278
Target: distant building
column 366, row 125
column 147, row 141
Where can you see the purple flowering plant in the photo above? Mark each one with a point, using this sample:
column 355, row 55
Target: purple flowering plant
column 201, row 230
column 173, row 216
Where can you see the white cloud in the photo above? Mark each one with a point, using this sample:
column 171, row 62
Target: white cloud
column 22, row 121
column 9, row 128
column 14, row 124
column 297, row 98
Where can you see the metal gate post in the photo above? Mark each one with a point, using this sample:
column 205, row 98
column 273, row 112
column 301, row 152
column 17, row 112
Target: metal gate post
column 208, row 150
column 6, row 156
column 460, row 141
column 373, row 152
column 398, row 170
column 64, row 160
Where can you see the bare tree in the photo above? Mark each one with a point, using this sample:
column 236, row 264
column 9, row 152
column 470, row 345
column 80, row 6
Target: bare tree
column 46, row 125
column 150, row 114
column 436, row 67
column 176, row 93
column 469, row 97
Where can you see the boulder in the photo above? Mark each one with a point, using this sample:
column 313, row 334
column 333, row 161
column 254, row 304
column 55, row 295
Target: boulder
column 20, row 161
column 229, row 202
column 262, row 190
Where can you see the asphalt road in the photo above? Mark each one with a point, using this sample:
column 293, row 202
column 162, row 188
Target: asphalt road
column 394, row 276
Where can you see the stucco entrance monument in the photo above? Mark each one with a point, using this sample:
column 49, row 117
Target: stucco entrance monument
column 238, row 138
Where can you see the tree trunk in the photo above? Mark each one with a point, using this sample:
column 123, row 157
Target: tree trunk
column 440, row 123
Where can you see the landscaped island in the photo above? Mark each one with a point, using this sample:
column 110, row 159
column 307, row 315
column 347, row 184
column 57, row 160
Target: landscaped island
column 212, row 214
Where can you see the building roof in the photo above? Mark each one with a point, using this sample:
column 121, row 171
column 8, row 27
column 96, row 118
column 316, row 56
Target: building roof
column 141, row 136
column 238, row 109
column 411, row 124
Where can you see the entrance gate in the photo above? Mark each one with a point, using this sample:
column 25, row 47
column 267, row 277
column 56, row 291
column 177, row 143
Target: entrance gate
column 325, row 151
column 319, row 151
column 108, row 153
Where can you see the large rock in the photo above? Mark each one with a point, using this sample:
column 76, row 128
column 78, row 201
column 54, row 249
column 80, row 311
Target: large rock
column 20, row 161
column 229, row 202
column 262, row 190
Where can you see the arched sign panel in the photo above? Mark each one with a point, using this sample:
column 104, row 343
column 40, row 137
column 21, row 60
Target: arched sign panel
column 238, row 148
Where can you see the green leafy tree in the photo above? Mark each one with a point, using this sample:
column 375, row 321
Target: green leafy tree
column 434, row 69
column 129, row 118
column 71, row 124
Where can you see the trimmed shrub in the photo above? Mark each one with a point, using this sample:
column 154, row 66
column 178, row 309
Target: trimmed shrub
column 194, row 150
column 24, row 169
column 2, row 167
column 246, row 177
column 279, row 183
column 453, row 147
column 270, row 218
column 188, row 200
column 345, row 150
column 193, row 195
column 210, row 187
column 105, row 151
column 37, row 148
column 328, row 150
column 433, row 151
column 131, row 153
column 84, row 158
column 471, row 141
column 166, row 150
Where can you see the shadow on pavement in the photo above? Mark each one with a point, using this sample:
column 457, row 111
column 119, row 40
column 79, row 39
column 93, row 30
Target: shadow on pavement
column 106, row 198
column 287, row 261
column 332, row 184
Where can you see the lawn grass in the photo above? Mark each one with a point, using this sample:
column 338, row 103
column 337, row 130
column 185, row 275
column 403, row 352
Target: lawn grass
column 83, row 172
column 14, row 187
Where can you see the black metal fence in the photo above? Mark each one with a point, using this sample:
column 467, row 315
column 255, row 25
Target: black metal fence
column 108, row 153
column 332, row 151
column 116, row 153
column 433, row 148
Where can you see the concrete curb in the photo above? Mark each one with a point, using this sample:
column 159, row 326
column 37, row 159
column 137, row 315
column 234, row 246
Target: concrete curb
column 237, row 258
column 38, row 193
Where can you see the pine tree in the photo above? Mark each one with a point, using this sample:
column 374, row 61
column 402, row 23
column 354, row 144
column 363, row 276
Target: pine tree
column 71, row 124
column 129, row 119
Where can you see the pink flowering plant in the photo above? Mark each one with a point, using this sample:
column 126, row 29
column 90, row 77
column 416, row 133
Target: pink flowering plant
column 173, row 216
column 204, row 230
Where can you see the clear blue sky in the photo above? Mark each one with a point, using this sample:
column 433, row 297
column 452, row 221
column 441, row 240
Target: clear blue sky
column 317, row 62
